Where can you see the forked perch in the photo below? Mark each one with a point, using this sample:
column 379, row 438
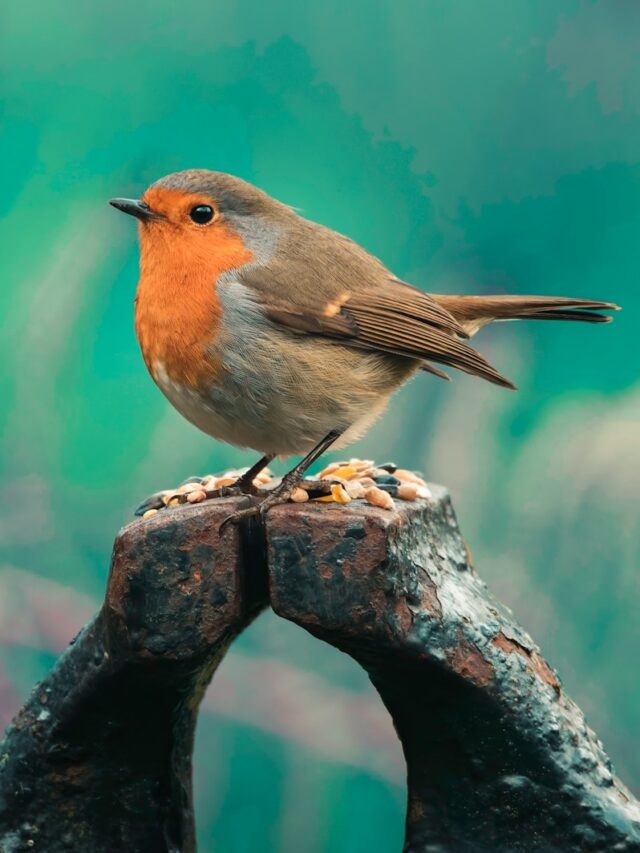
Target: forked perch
column 498, row 758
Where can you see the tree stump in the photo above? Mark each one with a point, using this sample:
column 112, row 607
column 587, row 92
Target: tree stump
column 498, row 758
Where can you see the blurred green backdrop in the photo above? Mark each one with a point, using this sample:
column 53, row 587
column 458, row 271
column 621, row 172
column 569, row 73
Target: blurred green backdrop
column 473, row 147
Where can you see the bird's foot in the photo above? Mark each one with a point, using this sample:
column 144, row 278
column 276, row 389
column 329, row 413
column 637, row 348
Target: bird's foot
column 339, row 482
column 198, row 489
column 284, row 490
column 163, row 500
column 281, row 494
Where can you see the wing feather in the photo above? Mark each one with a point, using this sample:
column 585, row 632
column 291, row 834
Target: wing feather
column 406, row 336
column 411, row 327
column 337, row 290
column 401, row 298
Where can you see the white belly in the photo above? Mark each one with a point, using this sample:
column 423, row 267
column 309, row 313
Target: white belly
column 285, row 422
column 282, row 393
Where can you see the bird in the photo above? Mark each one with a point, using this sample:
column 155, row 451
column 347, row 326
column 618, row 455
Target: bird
column 269, row 331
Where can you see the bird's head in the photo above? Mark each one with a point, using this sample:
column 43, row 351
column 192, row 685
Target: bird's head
column 202, row 212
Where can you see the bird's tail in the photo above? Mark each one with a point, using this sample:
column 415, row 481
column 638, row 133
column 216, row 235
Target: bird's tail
column 473, row 312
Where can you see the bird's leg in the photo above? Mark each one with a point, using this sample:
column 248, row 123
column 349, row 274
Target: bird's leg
column 243, row 486
column 291, row 479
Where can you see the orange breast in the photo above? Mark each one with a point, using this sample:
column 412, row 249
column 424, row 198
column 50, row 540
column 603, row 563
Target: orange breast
column 177, row 312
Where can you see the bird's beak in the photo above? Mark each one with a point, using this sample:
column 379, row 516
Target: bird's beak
column 135, row 207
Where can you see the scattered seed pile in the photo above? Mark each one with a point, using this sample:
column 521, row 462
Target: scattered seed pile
column 339, row 482
column 361, row 478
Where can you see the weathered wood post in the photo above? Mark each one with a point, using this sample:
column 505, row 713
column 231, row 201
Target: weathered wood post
column 99, row 759
column 498, row 758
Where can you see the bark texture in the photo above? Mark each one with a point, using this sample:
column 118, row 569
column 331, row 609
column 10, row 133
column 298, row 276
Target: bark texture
column 99, row 759
column 498, row 758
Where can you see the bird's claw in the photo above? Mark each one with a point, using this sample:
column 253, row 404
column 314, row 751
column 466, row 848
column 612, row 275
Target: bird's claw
column 161, row 500
column 237, row 516
column 152, row 502
column 258, row 510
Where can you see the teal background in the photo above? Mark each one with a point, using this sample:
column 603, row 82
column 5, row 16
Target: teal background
column 473, row 147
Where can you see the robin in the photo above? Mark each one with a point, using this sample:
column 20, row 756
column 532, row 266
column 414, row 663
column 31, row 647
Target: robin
column 271, row 332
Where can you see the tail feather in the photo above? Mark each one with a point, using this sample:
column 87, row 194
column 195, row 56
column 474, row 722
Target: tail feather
column 579, row 316
column 473, row 312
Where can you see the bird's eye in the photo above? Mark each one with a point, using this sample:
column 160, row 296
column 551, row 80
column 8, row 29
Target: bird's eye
column 201, row 214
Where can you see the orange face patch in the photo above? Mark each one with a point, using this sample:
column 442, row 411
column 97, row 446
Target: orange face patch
column 177, row 310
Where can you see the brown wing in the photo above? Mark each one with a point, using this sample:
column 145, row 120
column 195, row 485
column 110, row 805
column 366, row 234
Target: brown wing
column 336, row 289
column 393, row 318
